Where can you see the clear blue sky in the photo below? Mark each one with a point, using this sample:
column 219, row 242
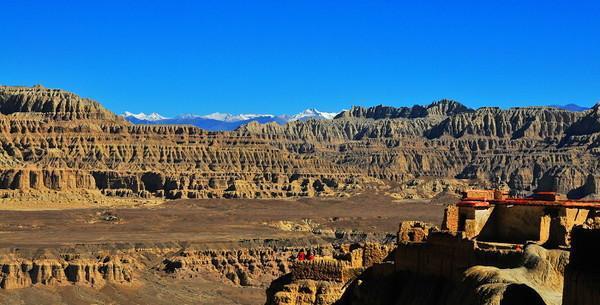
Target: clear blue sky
column 283, row 56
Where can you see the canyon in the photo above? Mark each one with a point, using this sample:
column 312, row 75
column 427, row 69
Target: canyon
column 99, row 210
column 55, row 142
column 192, row 251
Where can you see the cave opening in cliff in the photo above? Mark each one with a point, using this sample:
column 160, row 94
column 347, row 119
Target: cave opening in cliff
column 518, row 294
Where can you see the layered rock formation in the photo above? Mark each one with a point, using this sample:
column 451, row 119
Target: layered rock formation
column 324, row 280
column 239, row 264
column 53, row 140
column 527, row 148
column 245, row 267
column 60, row 271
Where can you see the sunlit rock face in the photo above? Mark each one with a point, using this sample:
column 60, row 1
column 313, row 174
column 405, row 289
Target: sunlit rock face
column 53, row 140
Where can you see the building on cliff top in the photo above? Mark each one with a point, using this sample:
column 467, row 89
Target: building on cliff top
column 490, row 228
column 545, row 218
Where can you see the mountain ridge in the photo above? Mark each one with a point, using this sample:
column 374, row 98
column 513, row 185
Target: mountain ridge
column 57, row 141
column 218, row 121
column 225, row 121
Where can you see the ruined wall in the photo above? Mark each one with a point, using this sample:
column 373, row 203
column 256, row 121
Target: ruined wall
column 516, row 224
column 344, row 266
column 415, row 231
column 544, row 225
column 374, row 253
column 320, row 270
column 324, row 280
column 443, row 255
column 307, row 292
column 447, row 255
column 451, row 217
column 473, row 219
column 582, row 275
column 562, row 223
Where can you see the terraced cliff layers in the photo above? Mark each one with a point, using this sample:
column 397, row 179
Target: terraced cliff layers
column 53, row 140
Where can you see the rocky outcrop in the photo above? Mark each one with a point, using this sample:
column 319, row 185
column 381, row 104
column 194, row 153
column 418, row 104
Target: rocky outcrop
column 308, row 292
column 253, row 263
column 21, row 273
column 52, row 104
column 244, row 267
column 439, row 108
column 538, row 281
column 53, row 140
column 324, row 280
column 533, row 123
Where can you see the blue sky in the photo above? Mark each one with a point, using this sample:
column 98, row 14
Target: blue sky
column 284, row 56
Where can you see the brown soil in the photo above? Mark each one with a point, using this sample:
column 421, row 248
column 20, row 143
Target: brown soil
column 197, row 222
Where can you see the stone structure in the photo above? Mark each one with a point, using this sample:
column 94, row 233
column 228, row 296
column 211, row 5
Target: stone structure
column 414, row 231
column 489, row 228
column 545, row 218
column 526, row 262
column 582, row 275
column 321, row 269
column 344, row 266
column 447, row 255
column 323, row 280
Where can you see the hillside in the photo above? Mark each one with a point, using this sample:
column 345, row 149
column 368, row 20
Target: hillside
column 54, row 140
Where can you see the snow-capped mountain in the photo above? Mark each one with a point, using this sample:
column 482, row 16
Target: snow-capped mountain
column 226, row 117
column 312, row 113
column 224, row 121
column 145, row 117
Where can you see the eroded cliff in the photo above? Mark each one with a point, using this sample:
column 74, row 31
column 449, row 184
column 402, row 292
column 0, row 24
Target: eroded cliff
column 53, row 140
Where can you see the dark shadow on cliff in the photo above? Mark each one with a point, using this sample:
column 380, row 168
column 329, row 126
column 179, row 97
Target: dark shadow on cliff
column 397, row 288
column 517, row 294
column 277, row 285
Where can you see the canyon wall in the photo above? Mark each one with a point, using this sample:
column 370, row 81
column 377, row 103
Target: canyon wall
column 53, row 140
column 22, row 273
column 241, row 264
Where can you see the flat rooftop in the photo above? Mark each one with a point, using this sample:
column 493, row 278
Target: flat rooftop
column 485, row 198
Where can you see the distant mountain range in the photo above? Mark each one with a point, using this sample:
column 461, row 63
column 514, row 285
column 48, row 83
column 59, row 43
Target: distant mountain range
column 571, row 107
column 224, row 121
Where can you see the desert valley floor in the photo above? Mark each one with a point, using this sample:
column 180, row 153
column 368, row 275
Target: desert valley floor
column 204, row 223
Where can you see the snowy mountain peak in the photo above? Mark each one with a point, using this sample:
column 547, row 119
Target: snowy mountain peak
column 227, row 117
column 226, row 121
column 145, row 117
column 313, row 113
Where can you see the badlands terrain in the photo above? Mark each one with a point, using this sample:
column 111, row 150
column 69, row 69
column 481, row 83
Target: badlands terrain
column 55, row 141
column 97, row 210
column 235, row 248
